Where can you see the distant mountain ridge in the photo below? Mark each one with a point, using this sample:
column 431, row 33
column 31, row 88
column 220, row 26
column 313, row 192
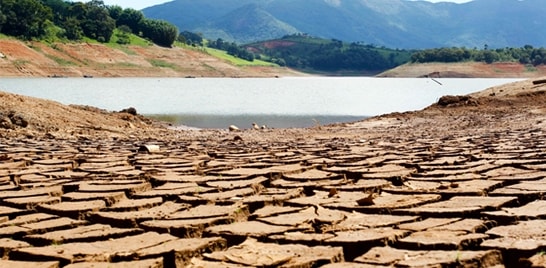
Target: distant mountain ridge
column 390, row 23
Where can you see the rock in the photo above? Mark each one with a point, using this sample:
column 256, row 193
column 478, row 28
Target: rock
column 175, row 251
column 257, row 254
column 12, row 119
column 441, row 239
column 149, row 263
column 19, row 120
column 130, row 110
column 29, row 264
column 148, row 148
column 538, row 82
column 86, row 233
column 5, row 122
column 451, row 101
column 388, row 256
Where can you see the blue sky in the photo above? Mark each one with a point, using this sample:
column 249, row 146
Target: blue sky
column 140, row 4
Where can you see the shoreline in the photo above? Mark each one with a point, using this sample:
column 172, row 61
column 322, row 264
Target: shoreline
column 36, row 59
column 161, row 98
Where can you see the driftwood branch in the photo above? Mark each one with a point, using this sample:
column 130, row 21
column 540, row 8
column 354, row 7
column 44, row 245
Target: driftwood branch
column 541, row 81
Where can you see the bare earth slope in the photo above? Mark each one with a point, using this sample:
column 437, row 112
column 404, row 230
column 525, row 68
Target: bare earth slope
column 466, row 70
column 35, row 59
column 28, row 116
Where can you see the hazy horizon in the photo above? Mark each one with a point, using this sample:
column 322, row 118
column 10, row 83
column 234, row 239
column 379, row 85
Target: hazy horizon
column 141, row 4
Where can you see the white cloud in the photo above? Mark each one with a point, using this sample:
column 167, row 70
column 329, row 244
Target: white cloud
column 453, row 1
column 333, row 2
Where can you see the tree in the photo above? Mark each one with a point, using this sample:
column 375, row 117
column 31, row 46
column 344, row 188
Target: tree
column 97, row 23
column 219, row 44
column 78, row 10
column 190, row 38
column 124, row 35
column 114, row 11
column 24, row 18
column 539, row 56
column 490, row 56
column 2, row 18
column 132, row 18
column 160, row 32
column 60, row 10
column 73, row 30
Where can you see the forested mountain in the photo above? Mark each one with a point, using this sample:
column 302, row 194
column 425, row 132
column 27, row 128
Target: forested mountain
column 390, row 23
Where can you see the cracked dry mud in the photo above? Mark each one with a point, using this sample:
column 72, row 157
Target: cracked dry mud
column 459, row 185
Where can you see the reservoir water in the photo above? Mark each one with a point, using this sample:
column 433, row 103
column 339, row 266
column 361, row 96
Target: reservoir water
column 276, row 102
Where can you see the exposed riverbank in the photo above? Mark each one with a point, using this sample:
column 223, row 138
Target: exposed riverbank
column 37, row 59
column 460, row 183
column 466, row 70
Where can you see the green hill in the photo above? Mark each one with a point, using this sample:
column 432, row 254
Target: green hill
column 328, row 56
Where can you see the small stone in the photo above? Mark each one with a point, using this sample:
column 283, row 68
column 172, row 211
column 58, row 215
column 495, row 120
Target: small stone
column 366, row 201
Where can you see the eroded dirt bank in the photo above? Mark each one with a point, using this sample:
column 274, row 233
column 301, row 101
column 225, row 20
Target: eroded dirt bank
column 466, row 70
column 458, row 184
column 34, row 59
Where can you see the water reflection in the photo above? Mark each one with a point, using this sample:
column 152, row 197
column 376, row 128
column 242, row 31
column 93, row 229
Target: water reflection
column 245, row 121
column 278, row 103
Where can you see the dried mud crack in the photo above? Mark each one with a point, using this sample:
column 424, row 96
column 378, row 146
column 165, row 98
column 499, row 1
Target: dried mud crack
column 459, row 184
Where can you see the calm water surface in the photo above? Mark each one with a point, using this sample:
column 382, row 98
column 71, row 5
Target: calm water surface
column 276, row 102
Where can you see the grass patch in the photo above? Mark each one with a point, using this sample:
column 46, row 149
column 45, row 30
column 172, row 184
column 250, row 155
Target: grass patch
column 133, row 39
column 20, row 63
column 127, row 64
column 126, row 50
column 61, row 61
column 162, row 64
column 171, row 119
column 36, row 48
column 139, row 41
column 236, row 61
column 530, row 68
column 498, row 70
column 89, row 40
